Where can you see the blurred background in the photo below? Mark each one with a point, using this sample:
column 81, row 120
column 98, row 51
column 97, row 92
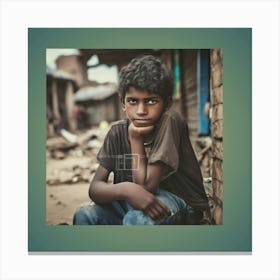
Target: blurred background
column 82, row 104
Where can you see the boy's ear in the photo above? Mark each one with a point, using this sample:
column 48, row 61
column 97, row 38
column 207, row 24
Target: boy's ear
column 122, row 102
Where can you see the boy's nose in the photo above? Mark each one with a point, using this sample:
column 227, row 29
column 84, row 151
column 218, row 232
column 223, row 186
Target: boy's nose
column 141, row 109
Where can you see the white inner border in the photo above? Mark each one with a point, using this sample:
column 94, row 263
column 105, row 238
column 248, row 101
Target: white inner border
column 17, row 16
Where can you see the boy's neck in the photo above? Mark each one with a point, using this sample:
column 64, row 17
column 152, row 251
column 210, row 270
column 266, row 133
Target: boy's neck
column 148, row 139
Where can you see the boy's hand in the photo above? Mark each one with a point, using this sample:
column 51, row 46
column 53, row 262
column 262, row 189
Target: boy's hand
column 137, row 132
column 141, row 199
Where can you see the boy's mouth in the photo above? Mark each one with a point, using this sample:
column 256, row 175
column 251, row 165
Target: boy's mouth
column 142, row 121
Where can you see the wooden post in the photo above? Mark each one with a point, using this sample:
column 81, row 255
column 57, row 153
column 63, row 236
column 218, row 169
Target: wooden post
column 69, row 105
column 55, row 105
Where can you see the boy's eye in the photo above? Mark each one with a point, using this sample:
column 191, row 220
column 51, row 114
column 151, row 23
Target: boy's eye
column 131, row 101
column 152, row 101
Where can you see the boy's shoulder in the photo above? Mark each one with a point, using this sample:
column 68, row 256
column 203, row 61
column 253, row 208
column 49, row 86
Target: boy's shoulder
column 173, row 116
column 118, row 127
column 171, row 121
column 119, row 123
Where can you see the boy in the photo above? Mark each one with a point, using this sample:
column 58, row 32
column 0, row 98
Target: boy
column 157, row 179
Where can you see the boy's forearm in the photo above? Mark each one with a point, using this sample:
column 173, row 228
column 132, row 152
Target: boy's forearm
column 134, row 194
column 102, row 192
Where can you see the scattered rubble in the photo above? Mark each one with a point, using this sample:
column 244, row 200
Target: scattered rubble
column 71, row 158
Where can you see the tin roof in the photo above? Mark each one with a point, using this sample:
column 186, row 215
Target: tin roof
column 59, row 74
column 97, row 93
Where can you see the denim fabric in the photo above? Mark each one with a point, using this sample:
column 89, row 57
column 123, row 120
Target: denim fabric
column 185, row 216
column 96, row 214
column 137, row 217
column 121, row 213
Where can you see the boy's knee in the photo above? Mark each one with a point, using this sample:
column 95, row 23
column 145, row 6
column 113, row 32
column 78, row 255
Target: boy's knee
column 173, row 202
column 136, row 217
column 83, row 216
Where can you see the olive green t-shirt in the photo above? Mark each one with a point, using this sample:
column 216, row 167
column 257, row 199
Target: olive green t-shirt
column 170, row 144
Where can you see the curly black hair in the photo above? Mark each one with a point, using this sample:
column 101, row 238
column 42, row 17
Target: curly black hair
column 146, row 73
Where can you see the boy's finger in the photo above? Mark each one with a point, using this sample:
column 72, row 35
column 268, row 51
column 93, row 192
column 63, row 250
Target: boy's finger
column 164, row 207
column 156, row 214
column 150, row 213
column 161, row 211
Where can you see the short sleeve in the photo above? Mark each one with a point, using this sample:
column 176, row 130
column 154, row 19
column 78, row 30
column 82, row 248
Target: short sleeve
column 167, row 142
column 106, row 154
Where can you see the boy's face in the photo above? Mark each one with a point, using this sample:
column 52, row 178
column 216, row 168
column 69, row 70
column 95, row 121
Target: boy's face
column 143, row 108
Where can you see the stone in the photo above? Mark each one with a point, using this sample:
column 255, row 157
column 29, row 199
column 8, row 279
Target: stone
column 217, row 129
column 217, row 149
column 217, row 76
column 217, row 112
column 217, row 170
column 216, row 56
column 217, row 95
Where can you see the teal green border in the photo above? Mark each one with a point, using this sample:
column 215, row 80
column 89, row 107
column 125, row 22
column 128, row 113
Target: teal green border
column 235, row 235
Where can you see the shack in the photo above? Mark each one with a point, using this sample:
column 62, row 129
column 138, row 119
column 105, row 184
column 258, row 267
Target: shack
column 96, row 104
column 60, row 101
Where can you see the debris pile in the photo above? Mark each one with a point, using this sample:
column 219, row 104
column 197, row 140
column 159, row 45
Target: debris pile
column 71, row 158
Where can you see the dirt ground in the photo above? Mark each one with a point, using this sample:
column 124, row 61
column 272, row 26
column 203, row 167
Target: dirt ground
column 70, row 166
column 62, row 201
column 62, row 195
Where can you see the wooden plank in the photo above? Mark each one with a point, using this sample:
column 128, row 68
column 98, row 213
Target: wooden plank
column 55, row 104
column 69, row 106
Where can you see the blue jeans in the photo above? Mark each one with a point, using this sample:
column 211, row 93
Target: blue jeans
column 121, row 213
